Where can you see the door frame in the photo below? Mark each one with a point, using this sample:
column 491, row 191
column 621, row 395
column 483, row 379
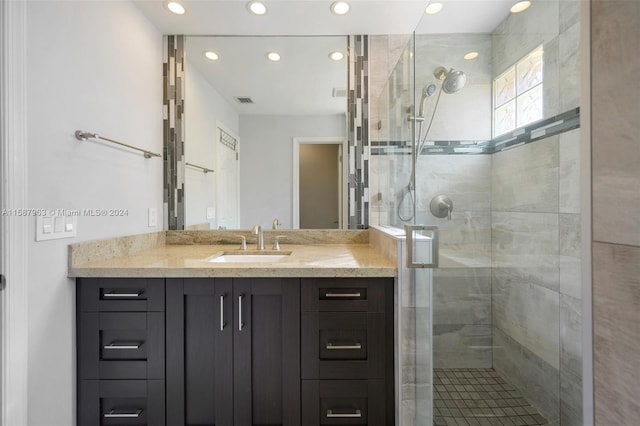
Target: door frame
column 342, row 178
column 14, row 231
column 216, row 151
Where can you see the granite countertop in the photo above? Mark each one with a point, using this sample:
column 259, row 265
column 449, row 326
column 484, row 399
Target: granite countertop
column 163, row 259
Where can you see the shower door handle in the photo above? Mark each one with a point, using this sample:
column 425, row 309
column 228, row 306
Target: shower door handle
column 409, row 229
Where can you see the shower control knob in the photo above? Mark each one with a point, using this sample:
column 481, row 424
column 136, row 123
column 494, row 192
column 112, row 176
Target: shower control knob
column 441, row 206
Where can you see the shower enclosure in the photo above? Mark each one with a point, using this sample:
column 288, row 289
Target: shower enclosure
column 496, row 339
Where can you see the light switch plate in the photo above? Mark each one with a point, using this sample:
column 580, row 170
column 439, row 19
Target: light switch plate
column 153, row 216
column 56, row 227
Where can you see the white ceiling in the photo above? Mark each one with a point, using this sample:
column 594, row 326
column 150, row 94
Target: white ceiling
column 285, row 17
column 305, row 77
column 313, row 17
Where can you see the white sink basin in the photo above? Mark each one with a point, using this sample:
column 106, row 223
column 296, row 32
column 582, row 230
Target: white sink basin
column 248, row 258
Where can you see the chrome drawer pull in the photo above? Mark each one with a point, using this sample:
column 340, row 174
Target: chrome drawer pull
column 240, row 323
column 358, row 294
column 222, row 324
column 136, row 294
column 355, row 415
column 123, row 345
column 113, row 414
column 354, row 346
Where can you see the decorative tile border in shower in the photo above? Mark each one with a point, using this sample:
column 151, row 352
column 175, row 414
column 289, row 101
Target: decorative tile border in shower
column 432, row 147
column 542, row 129
column 358, row 131
column 539, row 130
column 173, row 131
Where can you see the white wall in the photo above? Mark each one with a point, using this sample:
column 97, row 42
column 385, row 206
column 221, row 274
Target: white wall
column 204, row 108
column 266, row 163
column 94, row 66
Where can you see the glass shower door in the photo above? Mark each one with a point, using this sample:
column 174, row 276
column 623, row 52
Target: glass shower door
column 392, row 182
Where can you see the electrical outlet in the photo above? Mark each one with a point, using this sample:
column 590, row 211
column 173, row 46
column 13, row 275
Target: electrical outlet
column 211, row 213
column 153, row 216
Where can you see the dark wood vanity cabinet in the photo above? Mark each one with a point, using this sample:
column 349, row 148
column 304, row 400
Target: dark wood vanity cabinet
column 233, row 348
column 234, row 352
column 120, row 333
column 347, row 351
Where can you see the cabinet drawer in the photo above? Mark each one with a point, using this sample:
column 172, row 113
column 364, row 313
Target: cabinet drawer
column 121, row 345
column 343, row 294
column 343, row 402
column 339, row 345
column 121, row 294
column 121, row 402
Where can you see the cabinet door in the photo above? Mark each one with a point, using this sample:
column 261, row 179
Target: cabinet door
column 199, row 341
column 266, row 352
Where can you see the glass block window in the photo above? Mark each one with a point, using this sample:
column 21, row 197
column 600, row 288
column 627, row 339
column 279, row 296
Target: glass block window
column 517, row 94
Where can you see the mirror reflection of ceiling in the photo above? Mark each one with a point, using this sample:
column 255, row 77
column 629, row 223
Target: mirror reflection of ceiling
column 313, row 17
column 304, row 82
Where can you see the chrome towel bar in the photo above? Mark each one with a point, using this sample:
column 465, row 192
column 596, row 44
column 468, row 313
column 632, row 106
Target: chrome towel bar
column 83, row 136
column 204, row 169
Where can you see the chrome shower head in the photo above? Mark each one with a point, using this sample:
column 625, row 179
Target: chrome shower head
column 454, row 81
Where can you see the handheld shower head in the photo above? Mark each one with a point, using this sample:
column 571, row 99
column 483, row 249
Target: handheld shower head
column 428, row 91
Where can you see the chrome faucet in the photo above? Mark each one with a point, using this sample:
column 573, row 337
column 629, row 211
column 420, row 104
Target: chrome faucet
column 275, row 224
column 257, row 230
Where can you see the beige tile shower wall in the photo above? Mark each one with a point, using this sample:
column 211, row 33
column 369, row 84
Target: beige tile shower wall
column 616, row 128
column 615, row 92
column 536, row 288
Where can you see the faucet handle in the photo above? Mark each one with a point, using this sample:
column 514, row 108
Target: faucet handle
column 243, row 245
column 276, row 242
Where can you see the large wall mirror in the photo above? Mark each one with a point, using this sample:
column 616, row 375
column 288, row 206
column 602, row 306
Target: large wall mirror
column 268, row 115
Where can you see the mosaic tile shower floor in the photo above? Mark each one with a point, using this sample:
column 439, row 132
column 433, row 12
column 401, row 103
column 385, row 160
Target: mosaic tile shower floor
column 479, row 396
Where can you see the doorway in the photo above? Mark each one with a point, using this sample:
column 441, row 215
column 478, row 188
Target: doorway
column 319, row 176
column 227, row 178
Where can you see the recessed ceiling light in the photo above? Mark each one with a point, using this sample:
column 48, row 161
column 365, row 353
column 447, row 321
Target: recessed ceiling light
column 336, row 56
column 520, row 6
column 433, row 8
column 273, row 56
column 471, row 55
column 257, row 8
column 340, row 7
column 211, row 55
column 176, row 8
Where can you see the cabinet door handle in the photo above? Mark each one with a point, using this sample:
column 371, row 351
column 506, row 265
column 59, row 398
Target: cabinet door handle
column 337, row 295
column 116, row 295
column 331, row 346
column 123, row 345
column 116, row 414
column 240, row 323
column 356, row 414
column 222, row 324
